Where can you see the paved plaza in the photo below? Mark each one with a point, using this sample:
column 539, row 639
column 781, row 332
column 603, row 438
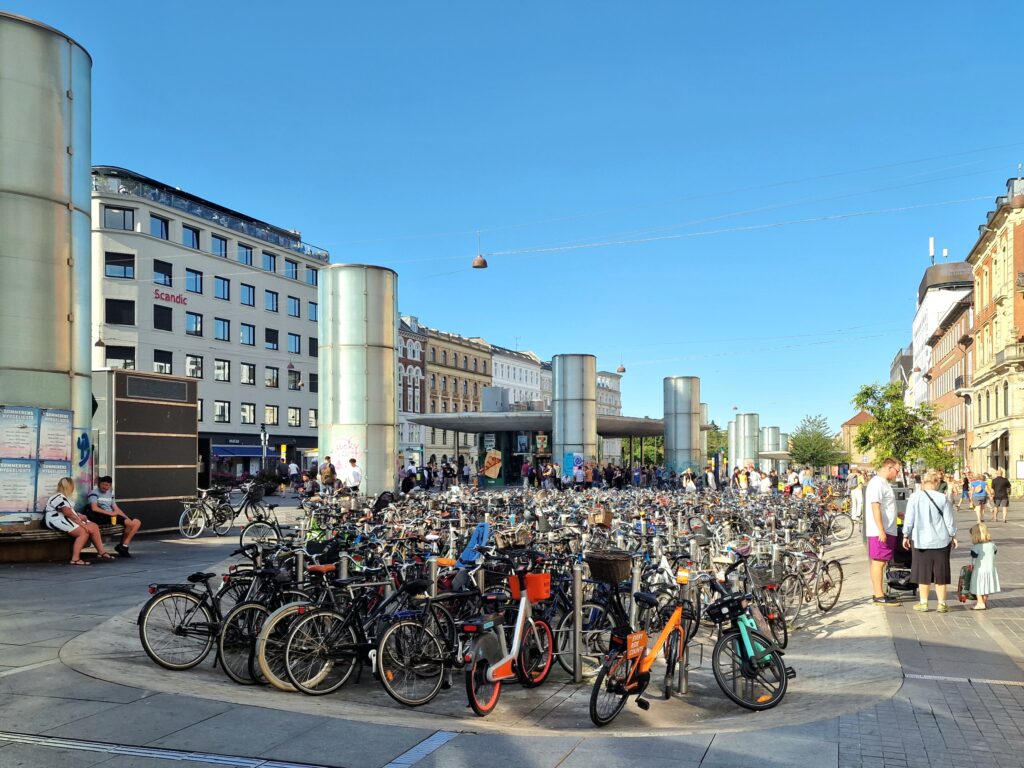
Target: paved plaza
column 875, row 687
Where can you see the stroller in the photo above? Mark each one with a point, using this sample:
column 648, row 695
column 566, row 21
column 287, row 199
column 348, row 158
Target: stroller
column 897, row 570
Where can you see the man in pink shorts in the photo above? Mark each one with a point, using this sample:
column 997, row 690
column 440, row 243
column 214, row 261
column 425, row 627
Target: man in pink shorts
column 880, row 525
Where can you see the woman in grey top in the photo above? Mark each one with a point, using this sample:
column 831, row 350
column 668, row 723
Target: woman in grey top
column 929, row 526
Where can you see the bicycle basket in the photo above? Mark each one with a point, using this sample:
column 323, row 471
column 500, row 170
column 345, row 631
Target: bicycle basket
column 610, row 567
column 725, row 608
column 512, row 538
column 763, row 575
column 256, row 492
column 538, row 587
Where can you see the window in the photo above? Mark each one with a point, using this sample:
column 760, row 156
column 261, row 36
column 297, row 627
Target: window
column 247, row 373
column 248, row 297
column 199, row 409
column 222, row 411
column 444, row 383
column 190, row 238
column 162, row 273
column 433, row 355
column 120, row 312
column 270, row 339
column 465, row 389
column 465, row 362
column 194, row 366
column 270, row 415
column 474, row 389
column 244, row 254
column 270, row 301
column 221, row 329
column 218, row 246
column 193, row 324
column 270, row 377
column 294, row 380
column 312, row 310
column 222, row 288
column 483, row 366
column 474, row 363
column 159, row 227
column 988, row 406
column 294, row 307
column 248, row 335
column 291, row 269
column 120, row 357
column 119, row 265
column 221, row 370
column 248, row 413
column 312, row 276
column 269, row 262
column 163, row 318
column 162, row 361
column 118, row 218
column 193, row 281
column 314, row 383
column 294, row 417
column 444, row 357
column 312, row 418
column 314, row 348
column 1006, row 398
column 294, row 344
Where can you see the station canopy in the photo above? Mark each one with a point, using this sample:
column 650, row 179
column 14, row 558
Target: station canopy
column 534, row 421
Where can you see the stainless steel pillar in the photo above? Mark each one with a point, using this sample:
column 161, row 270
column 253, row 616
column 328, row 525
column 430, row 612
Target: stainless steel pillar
column 748, row 439
column 682, row 423
column 731, row 442
column 358, row 369
column 773, row 444
column 574, row 407
column 703, row 433
column 784, row 446
column 763, row 446
column 45, row 219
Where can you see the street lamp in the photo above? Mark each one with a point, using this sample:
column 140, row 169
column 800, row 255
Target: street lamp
column 263, row 442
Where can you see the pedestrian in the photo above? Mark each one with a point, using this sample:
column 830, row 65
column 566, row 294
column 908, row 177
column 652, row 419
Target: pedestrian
column 1000, row 494
column 281, row 470
column 524, row 473
column 985, row 579
column 293, row 476
column 880, row 527
column 60, row 515
column 578, row 477
column 465, row 473
column 709, row 480
column 965, row 489
column 328, row 474
column 929, row 527
column 354, row 477
column 102, row 508
column 856, row 489
column 979, row 495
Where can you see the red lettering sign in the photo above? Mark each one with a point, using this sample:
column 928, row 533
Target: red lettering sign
column 174, row 298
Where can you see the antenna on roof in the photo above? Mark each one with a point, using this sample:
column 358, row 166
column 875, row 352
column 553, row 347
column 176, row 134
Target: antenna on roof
column 931, row 249
column 1020, row 168
column 945, row 254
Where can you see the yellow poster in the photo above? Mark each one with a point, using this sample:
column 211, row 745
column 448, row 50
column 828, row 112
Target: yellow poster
column 492, row 464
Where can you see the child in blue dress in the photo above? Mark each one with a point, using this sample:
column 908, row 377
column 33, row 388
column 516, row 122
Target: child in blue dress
column 985, row 579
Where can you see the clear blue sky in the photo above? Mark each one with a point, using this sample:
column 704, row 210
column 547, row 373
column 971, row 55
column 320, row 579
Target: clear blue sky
column 390, row 133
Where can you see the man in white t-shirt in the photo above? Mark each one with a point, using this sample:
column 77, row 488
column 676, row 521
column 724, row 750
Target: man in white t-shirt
column 354, row 476
column 880, row 526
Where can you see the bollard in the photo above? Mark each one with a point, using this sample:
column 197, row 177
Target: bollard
column 633, row 589
column 343, row 567
column 643, row 526
column 775, row 554
column 487, row 517
column 577, row 625
column 432, row 570
column 620, row 542
column 480, row 580
column 694, row 551
column 300, row 567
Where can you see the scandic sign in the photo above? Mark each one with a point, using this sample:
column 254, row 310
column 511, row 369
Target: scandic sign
column 174, row 298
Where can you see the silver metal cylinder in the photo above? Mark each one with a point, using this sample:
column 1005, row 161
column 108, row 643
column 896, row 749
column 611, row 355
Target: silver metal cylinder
column 784, row 446
column 749, row 438
column 574, row 407
column 45, row 219
column 765, row 464
column 703, row 432
column 731, row 442
column 682, row 423
column 358, row 368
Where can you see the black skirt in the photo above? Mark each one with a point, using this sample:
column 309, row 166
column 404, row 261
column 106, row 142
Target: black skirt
column 930, row 566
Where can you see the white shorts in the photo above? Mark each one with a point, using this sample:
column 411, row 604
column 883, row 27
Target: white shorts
column 57, row 522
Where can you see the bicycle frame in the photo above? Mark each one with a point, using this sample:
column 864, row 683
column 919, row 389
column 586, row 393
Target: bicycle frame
column 502, row 670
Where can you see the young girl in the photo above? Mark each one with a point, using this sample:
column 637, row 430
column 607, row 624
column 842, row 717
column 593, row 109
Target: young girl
column 985, row 580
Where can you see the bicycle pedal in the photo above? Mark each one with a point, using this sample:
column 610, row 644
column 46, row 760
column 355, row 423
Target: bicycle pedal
column 790, row 673
column 644, row 704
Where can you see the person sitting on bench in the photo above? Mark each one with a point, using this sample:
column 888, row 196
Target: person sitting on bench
column 60, row 515
column 103, row 509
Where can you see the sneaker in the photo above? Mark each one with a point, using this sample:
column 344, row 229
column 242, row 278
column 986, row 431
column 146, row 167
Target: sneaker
column 122, row 550
column 923, row 607
column 943, row 608
column 886, row 600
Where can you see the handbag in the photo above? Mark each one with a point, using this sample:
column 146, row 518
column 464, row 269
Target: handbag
column 963, row 584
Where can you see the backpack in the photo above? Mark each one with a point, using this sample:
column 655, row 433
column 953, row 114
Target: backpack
column 327, row 475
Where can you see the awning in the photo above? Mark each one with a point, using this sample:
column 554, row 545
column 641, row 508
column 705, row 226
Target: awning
column 989, row 440
column 241, row 451
column 774, row 455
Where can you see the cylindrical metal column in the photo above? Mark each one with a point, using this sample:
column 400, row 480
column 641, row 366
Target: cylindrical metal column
column 574, row 407
column 682, row 423
column 763, row 446
column 748, row 439
column 784, row 446
column 731, row 458
column 358, row 368
column 703, row 433
column 773, row 445
column 45, row 219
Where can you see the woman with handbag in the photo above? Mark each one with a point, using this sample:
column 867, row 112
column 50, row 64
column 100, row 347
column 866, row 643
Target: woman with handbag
column 929, row 526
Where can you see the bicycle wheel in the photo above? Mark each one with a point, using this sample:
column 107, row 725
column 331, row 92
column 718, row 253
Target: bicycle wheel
column 830, row 584
column 191, row 522
column 672, row 650
column 176, row 629
column 269, row 664
column 320, row 652
column 259, row 532
column 791, row 593
column 775, row 618
column 482, row 693
column 410, row 663
column 536, row 653
column 841, row 527
column 237, row 640
column 596, row 631
column 756, row 683
column 223, row 519
column 608, row 696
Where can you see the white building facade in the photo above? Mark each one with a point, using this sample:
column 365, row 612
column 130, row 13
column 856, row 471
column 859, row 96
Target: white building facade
column 411, row 391
column 519, row 373
column 546, row 384
column 609, row 403
column 942, row 286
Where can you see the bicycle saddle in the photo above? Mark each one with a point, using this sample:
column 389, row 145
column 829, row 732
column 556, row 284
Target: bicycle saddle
column 272, row 506
column 646, row 598
column 415, row 587
column 327, row 568
column 199, row 576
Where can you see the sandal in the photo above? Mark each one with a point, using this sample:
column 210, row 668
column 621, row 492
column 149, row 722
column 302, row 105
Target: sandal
column 79, row 563
column 107, row 556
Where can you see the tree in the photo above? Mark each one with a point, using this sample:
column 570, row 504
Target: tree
column 904, row 432
column 814, row 444
column 718, row 440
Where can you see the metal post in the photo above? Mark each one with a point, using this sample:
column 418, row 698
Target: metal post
column 633, row 589
column 480, row 583
column 300, row 567
column 577, row 625
column 343, row 567
column 432, row 570
column 694, row 551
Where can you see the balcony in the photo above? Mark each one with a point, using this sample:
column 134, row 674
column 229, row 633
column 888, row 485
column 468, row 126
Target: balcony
column 1013, row 354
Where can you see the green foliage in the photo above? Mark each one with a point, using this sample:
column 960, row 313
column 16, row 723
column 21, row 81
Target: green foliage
column 907, row 433
column 654, row 451
column 718, row 440
column 813, row 443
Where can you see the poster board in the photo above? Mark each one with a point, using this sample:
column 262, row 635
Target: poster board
column 54, row 435
column 47, row 475
column 492, row 464
column 19, row 432
column 17, row 491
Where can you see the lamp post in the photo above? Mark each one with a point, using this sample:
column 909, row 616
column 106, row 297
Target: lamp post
column 263, row 443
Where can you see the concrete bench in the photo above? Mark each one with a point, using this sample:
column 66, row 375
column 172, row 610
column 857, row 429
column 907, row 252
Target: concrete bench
column 38, row 545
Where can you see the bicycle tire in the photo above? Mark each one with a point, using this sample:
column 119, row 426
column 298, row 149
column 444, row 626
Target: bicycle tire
column 775, row 618
column 791, row 594
column 841, row 527
column 320, row 652
column 191, row 523
column 483, row 694
column 608, row 696
column 236, row 641
column 161, row 629
column 671, row 651
column 829, row 585
column 268, row 657
column 536, row 654
column 223, row 519
column 259, row 532
column 410, row 663
column 741, row 685
column 595, row 638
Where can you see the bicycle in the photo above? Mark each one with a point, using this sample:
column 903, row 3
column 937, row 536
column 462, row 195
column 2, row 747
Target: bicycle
column 209, row 508
column 179, row 624
column 813, row 579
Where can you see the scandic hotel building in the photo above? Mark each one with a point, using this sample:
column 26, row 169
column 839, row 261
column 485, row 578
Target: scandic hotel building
column 191, row 288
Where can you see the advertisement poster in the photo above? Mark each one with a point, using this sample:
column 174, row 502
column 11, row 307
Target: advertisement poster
column 55, row 435
column 522, row 442
column 542, row 443
column 492, row 464
column 570, row 462
column 17, row 490
column 19, row 431
column 47, row 475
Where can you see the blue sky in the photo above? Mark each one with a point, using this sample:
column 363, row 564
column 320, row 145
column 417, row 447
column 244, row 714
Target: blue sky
column 754, row 185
